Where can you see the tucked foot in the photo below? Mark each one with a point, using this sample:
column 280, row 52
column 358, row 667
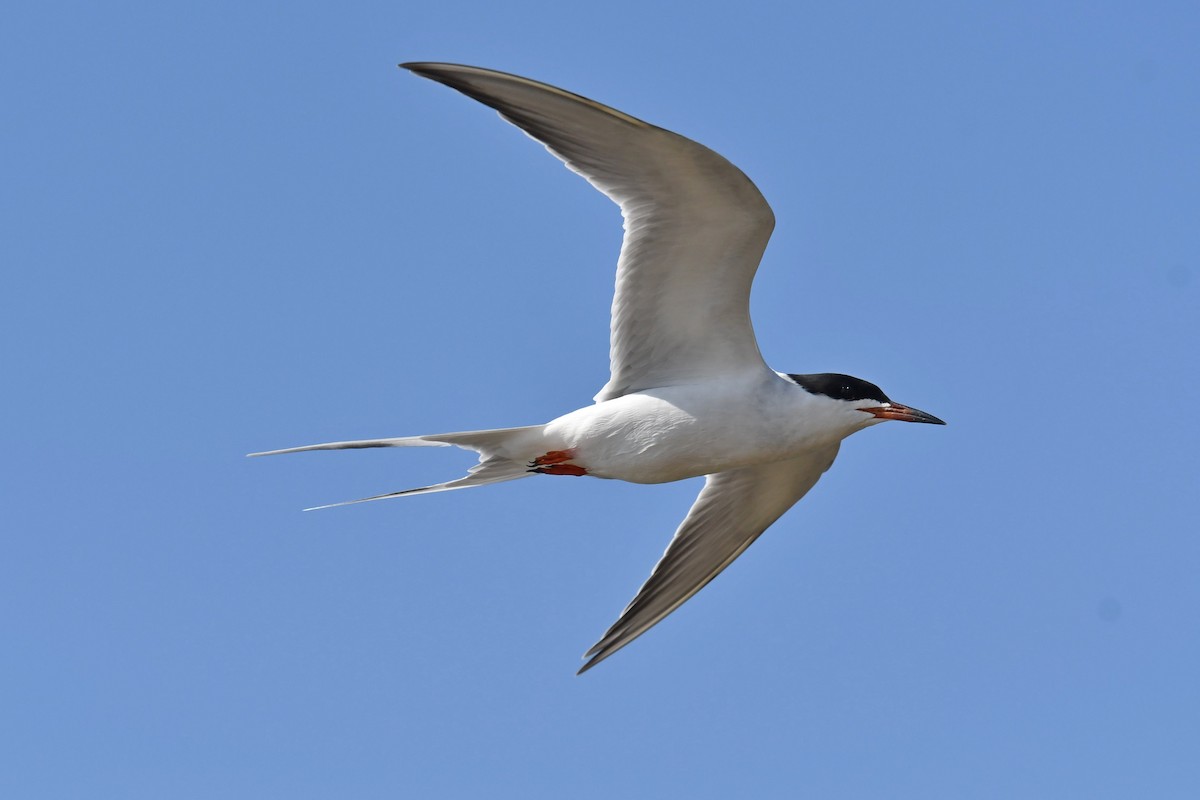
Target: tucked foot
column 555, row 463
column 553, row 457
column 560, row 469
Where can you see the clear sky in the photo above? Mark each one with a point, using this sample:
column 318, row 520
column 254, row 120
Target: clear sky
column 234, row 226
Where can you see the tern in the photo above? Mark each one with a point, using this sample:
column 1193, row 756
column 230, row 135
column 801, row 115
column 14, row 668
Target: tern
column 688, row 394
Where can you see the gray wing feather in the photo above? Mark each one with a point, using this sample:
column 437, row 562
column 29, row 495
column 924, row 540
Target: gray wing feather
column 732, row 510
column 695, row 229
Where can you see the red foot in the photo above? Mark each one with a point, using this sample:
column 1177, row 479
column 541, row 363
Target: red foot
column 554, row 457
column 554, row 463
column 561, row 469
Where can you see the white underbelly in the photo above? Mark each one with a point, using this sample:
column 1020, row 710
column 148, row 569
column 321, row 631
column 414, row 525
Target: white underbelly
column 671, row 435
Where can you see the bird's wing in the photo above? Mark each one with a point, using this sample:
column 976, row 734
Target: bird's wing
column 695, row 229
column 733, row 509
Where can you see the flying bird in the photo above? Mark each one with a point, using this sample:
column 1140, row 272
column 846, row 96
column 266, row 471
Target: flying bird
column 688, row 393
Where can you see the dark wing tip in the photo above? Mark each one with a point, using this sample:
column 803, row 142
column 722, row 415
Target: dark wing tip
column 613, row 640
column 453, row 75
column 431, row 69
column 594, row 660
column 439, row 70
column 422, row 67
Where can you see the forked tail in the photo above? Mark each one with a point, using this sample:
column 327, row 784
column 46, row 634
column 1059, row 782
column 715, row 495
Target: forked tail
column 504, row 455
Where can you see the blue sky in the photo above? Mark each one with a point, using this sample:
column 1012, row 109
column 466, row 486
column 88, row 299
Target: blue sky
column 237, row 226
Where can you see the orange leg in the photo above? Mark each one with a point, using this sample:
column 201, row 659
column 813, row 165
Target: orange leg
column 560, row 469
column 555, row 463
column 554, row 457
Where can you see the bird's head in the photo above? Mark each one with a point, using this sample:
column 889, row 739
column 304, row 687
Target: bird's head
column 858, row 397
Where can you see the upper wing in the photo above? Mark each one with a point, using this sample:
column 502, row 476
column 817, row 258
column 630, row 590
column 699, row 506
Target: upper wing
column 695, row 229
column 733, row 509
